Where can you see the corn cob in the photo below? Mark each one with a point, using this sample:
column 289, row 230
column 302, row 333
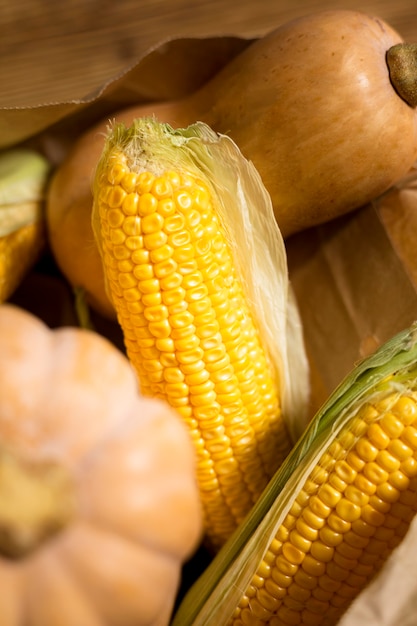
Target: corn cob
column 18, row 252
column 23, row 176
column 332, row 514
column 162, row 200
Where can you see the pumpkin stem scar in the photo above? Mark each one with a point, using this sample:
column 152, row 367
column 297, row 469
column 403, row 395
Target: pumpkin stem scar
column 36, row 501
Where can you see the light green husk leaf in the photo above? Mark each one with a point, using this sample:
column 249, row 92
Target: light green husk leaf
column 215, row 595
column 23, row 176
column 246, row 212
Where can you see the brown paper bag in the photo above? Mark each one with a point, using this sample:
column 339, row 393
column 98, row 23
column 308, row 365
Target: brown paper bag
column 352, row 279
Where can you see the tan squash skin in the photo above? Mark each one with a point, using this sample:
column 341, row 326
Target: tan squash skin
column 312, row 106
column 70, row 398
column 334, row 132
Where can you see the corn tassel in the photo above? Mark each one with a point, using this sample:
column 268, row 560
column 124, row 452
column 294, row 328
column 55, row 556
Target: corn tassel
column 190, row 329
column 332, row 514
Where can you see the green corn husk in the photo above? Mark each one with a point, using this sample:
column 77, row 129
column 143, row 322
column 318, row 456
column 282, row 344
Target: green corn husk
column 23, row 176
column 215, row 595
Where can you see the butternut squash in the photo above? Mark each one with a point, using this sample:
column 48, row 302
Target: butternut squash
column 312, row 104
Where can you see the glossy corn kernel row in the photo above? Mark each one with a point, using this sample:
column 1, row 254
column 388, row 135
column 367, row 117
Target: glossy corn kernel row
column 353, row 509
column 189, row 331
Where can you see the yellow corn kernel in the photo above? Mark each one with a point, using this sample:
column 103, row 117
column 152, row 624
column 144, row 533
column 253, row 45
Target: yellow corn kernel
column 341, row 533
column 167, row 254
column 18, row 251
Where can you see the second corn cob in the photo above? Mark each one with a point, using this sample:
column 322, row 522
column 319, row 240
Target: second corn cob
column 193, row 298
column 332, row 514
column 23, row 177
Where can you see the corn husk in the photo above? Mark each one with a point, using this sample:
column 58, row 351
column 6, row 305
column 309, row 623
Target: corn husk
column 213, row 598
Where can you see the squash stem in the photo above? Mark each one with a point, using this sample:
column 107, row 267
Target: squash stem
column 36, row 501
column 402, row 66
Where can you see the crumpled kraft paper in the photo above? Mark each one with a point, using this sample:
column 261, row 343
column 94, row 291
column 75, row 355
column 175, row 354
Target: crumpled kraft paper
column 169, row 71
column 353, row 287
column 397, row 210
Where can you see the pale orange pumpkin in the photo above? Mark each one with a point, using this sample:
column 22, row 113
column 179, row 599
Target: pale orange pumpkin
column 98, row 502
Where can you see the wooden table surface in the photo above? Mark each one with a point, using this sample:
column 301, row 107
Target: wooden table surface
column 61, row 50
